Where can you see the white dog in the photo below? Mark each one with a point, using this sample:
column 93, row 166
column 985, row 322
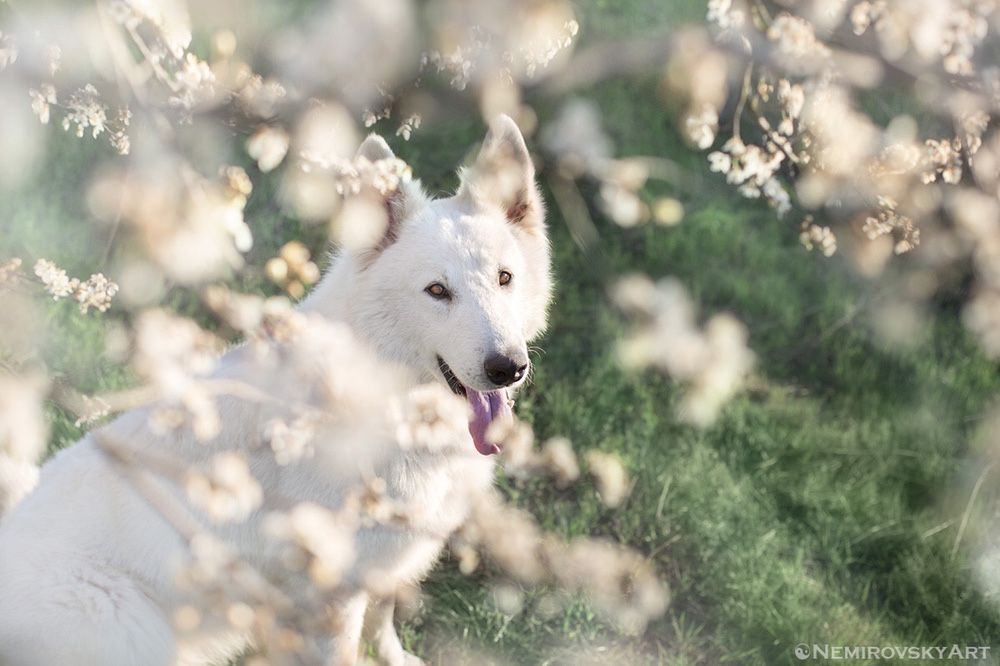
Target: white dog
column 454, row 291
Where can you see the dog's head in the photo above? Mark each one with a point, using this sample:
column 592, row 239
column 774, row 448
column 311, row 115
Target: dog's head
column 456, row 288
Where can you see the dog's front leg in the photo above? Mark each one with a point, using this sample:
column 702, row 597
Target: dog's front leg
column 349, row 618
column 380, row 630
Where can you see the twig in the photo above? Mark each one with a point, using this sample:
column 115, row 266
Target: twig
column 968, row 508
column 741, row 104
column 574, row 209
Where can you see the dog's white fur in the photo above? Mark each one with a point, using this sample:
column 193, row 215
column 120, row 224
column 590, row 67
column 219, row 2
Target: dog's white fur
column 87, row 563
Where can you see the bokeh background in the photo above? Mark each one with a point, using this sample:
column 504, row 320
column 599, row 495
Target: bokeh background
column 824, row 505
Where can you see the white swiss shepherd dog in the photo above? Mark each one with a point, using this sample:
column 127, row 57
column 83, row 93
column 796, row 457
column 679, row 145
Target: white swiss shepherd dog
column 455, row 291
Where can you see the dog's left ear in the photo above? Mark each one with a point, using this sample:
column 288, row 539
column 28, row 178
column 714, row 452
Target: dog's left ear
column 504, row 175
column 391, row 207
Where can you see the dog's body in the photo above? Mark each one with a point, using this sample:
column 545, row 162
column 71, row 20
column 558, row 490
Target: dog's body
column 452, row 293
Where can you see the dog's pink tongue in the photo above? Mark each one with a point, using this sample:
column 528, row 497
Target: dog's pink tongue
column 486, row 408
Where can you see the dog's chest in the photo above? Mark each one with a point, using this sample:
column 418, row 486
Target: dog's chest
column 434, row 493
column 432, row 497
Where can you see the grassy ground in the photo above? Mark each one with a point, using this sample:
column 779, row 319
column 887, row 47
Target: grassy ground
column 812, row 511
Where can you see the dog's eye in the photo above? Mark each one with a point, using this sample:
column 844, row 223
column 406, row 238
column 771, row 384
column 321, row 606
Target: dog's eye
column 505, row 278
column 438, row 291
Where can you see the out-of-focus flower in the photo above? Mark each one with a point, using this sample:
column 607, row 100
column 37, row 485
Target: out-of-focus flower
column 723, row 14
column 290, row 441
column 407, row 127
column 777, row 196
column 516, row 41
column 10, row 269
column 169, row 17
column 509, row 536
column 90, row 410
column 224, row 489
column 945, row 31
column 559, row 460
column 701, row 125
column 23, row 428
column 863, row 13
column 54, row 54
column 118, row 133
column 316, row 540
column 720, row 162
column 171, row 349
column 844, row 138
column 623, row 205
column 621, row 181
column 292, row 269
column 813, row 235
column 352, row 176
column 577, row 139
column 697, row 75
column 620, row 583
column 942, row 159
column 971, row 127
column 981, row 315
column 431, row 417
column 261, row 97
column 191, row 226
column 897, row 159
column 172, row 353
column 8, row 51
column 327, row 174
column 161, row 32
column 521, row 459
column 56, row 282
column 84, row 110
column 212, row 575
column 712, row 363
column 369, row 116
column 517, row 443
column 889, row 221
column 668, row 211
column 96, row 291
column 610, row 475
column 792, row 98
column 617, row 581
column 797, row 45
column 41, row 99
column 268, row 146
column 23, row 433
column 195, row 83
column 754, row 170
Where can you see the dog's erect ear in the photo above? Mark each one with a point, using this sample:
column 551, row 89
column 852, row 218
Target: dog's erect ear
column 390, row 208
column 504, row 175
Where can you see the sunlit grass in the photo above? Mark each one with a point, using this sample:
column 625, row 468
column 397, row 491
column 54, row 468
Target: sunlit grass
column 810, row 512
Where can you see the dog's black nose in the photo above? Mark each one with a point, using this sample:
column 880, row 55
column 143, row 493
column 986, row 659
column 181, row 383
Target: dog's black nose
column 503, row 371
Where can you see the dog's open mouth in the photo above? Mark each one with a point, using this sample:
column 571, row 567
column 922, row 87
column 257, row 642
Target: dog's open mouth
column 487, row 407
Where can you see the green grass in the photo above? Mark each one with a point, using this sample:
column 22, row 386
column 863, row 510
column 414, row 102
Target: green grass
column 810, row 512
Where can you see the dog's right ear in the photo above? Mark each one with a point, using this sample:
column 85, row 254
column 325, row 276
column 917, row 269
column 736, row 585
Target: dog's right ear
column 393, row 206
column 504, row 175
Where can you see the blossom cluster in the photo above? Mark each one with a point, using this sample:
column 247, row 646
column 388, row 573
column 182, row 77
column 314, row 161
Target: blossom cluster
column 96, row 292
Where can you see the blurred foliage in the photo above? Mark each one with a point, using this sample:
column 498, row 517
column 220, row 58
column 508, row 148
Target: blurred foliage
column 808, row 513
